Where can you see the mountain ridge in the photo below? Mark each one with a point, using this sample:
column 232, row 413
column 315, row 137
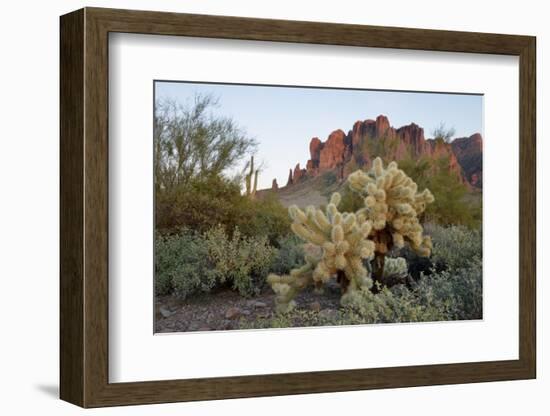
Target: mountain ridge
column 343, row 153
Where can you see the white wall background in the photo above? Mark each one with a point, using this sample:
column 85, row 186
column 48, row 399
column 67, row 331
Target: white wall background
column 29, row 159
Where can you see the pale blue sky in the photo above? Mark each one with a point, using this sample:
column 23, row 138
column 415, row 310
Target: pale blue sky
column 284, row 119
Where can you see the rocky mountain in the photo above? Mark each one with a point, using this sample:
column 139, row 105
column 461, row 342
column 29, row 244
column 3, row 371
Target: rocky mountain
column 342, row 153
column 468, row 151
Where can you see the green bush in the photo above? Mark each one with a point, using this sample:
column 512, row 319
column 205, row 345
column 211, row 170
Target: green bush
column 199, row 204
column 264, row 216
column 363, row 308
column 182, row 265
column 329, row 178
column 239, row 260
column 458, row 293
column 455, row 246
column 188, row 262
column 204, row 203
column 351, row 201
column 454, row 203
column 290, row 254
column 390, row 306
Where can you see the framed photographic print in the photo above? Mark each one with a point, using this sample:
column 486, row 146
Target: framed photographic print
column 255, row 207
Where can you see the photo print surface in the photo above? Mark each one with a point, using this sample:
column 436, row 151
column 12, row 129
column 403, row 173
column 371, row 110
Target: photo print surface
column 284, row 206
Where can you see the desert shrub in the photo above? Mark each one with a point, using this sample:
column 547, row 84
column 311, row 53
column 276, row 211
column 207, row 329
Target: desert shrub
column 453, row 203
column 387, row 306
column 187, row 262
column 442, row 296
column 199, row 204
column 264, row 216
column 290, row 254
column 454, row 285
column 351, row 201
column 455, row 246
column 329, row 178
column 457, row 292
column 239, row 260
column 193, row 140
column 204, row 203
column 182, row 265
column 390, row 306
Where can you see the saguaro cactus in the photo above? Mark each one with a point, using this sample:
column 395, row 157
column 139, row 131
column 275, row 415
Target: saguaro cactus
column 393, row 204
column 341, row 239
column 251, row 179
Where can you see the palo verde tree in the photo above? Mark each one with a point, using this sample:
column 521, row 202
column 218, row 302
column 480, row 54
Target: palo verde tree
column 443, row 133
column 190, row 141
column 345, row 242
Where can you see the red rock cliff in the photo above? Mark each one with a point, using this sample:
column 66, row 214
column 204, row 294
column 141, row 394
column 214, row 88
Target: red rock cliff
column 343, row 153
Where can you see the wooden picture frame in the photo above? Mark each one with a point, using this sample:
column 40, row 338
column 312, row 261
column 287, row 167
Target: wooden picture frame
column 84, row 207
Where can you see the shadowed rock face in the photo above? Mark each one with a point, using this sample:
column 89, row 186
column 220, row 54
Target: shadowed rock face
column 469, row 153
column 343, row 153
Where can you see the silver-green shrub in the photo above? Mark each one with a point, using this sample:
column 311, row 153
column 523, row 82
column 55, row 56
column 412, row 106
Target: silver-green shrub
column 290, row 254
column 188, row 262
column 240, row 260
column 455, row 246
column 458, row 292
column 182, row 265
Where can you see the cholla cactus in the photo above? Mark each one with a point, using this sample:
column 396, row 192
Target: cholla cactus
column 395, row 266
column 345, row 240
column 343, row 244
column 393, row 204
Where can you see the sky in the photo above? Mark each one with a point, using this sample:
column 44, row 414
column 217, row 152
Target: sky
column 284, row 119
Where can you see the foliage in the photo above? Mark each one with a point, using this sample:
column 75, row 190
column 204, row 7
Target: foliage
column 351, row 201
column 443, row 133
column 187, row 263
column 329, row 178
column 453, row 203
column 290, row 254
column 390, row 306
column 442, row 296
column 364, row 307
column 455, row 246
column 264, row 216
column 239, row 260
column 190, row 141
column 458, row 292
column 182, row 265
column 204, row 203
column 199, row 204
